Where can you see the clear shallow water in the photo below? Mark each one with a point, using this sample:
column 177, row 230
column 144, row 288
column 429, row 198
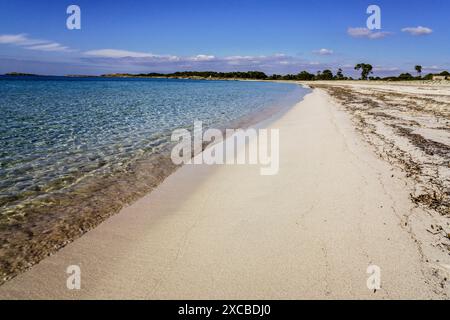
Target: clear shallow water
column 54, row 132
column 76, row 148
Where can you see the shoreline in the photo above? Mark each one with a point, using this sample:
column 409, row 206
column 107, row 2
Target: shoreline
column 60, row 222
column 225, row 232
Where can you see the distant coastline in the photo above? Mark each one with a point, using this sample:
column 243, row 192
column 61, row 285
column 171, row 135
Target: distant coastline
column 325, row 75
column 19, row 74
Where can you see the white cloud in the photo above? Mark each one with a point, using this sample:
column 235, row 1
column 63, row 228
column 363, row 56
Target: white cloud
column 113, row 53
column 366, row 33
column 203, row 57
column 418, row 31
column 124, row 59
column 324, row 52
column 49, row 47
column 12, row 38
column 433, row 67
column 24, row 41
column 245, row 58
column 385, row 69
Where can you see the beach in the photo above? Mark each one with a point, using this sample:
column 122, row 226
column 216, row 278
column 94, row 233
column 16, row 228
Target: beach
column 67, row 166
column 336, row 207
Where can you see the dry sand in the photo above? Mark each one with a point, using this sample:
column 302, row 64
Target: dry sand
column 408, row 125
column 229, row 233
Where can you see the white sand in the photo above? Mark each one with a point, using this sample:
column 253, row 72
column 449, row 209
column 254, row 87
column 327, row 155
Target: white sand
column 227, row 232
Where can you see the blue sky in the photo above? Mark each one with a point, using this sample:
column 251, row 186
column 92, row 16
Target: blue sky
column 272, row 36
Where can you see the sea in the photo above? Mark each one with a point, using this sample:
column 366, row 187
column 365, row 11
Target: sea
column 73, row 151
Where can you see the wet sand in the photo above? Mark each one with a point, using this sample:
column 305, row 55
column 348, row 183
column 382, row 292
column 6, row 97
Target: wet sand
column 226, row 232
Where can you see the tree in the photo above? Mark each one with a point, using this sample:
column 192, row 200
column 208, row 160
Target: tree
column 324, row 75
column 327, row 75
column 289, row 77
column 405, row 76
column 418, row 68
column 318, row 75
column 339, row 74
column 275, row 77
column 304, row 75
column 366, row 69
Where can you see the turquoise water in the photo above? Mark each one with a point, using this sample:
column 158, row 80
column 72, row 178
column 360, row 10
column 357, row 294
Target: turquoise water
column 57, row 132
column 73, row 151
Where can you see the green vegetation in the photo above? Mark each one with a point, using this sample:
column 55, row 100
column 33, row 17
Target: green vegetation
column 19, row 74
column 255, row 75
column 409, row 77
column 249, row 75
column 418, row 68
column 339, row 75
column 366, row 70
